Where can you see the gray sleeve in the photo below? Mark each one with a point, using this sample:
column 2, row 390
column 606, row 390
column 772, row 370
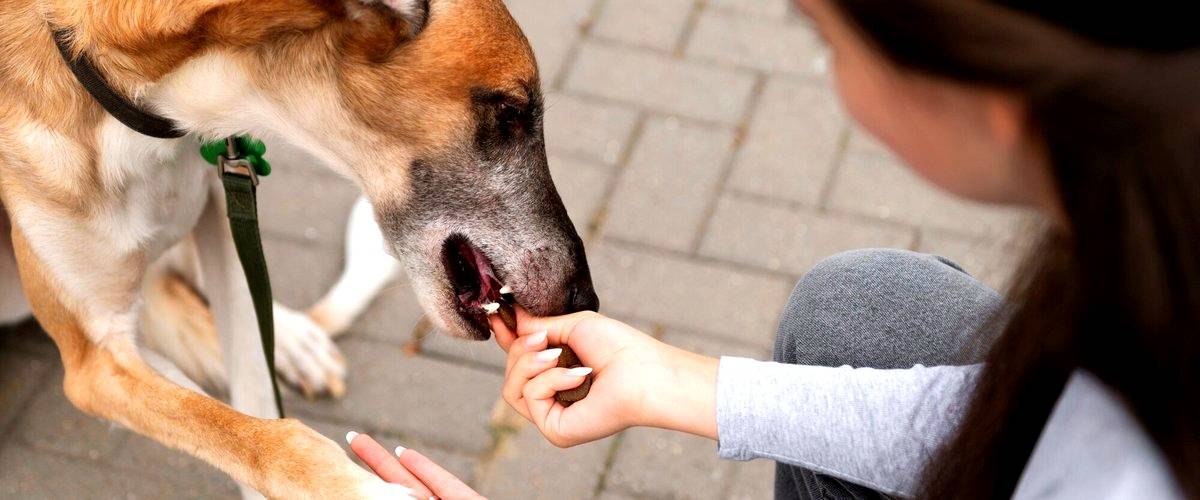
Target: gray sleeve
column 872, row 427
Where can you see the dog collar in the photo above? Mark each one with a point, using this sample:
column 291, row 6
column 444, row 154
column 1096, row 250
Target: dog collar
column 140, row 120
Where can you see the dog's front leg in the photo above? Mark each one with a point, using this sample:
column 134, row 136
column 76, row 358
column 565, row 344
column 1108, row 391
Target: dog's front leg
column 233, row 312
column 84, row 295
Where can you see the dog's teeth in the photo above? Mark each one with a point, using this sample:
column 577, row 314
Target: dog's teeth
column 491, row 308
column 506, row 290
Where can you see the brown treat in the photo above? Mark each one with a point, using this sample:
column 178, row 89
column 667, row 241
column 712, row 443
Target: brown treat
column 568, row 359
column 509, row 316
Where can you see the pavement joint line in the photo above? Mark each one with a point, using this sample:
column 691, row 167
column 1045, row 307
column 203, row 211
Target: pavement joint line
column 609, row 460
column 1005, row 239
column 740, row 134
column 679, row 48
column 583, row 32
column 596, row 225
column 599, row 100
column 651, row 109
column 698, row 61
column 697, row 258
column 837, row 164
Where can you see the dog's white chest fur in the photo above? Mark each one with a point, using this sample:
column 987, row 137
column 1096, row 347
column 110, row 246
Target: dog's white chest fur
column 161, row 190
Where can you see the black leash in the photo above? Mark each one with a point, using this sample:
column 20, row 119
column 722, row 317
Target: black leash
column 239, row 169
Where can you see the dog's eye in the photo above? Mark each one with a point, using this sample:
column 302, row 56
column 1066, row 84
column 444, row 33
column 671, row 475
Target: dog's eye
column 509, row 113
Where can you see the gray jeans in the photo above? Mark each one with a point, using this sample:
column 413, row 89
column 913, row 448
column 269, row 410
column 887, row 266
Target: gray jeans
column 879, row 309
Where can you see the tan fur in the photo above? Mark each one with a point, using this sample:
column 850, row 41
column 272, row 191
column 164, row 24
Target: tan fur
column 394, row 100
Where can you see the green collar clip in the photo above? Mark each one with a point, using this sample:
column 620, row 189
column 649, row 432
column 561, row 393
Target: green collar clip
column 251, row 149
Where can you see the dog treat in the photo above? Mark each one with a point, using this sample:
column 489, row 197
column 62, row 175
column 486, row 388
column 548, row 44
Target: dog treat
column 568, row 358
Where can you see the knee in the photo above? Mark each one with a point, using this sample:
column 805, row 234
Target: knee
column 844, row 299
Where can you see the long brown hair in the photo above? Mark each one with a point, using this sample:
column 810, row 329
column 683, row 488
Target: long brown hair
column 1113, row 95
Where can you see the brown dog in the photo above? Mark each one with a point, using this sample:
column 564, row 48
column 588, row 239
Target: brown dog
column 432, row 108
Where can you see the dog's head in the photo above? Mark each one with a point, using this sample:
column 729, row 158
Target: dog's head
column 458, row 174
column 432, row 107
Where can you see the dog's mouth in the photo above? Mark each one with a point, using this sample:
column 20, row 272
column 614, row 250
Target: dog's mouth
column 473, row 281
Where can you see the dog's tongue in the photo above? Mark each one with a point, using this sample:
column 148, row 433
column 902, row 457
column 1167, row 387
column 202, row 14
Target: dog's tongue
column 489, row 286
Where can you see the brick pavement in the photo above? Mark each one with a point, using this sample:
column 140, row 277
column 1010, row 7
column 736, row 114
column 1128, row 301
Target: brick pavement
column 701, row 151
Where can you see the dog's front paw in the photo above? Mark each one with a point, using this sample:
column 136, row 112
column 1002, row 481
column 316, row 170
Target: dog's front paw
column 305, row 357
column 301, row 463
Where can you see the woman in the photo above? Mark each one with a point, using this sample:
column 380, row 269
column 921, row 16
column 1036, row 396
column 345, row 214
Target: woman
column 1088, row 381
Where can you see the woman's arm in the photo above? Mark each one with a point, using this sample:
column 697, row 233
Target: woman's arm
column 872, row 427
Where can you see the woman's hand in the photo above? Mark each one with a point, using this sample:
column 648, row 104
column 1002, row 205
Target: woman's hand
column 411, row 469
column 638, row 380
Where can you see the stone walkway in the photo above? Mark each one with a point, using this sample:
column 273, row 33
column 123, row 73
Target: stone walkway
column 701, row 152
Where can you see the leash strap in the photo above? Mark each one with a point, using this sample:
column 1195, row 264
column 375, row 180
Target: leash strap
column 241, row 201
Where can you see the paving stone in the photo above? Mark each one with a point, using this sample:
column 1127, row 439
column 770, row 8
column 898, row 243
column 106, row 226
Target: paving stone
column 528, row 466
column 143, row 454
column 661, row 83
column 306, row 205
column 52, row 423
column 776, row 9
column 871, row 182
column 754, row 480
column 665, row 464
column 432, row 400
column 694, row 296
column 21, row 375
column 582, row 187
column 672, row 176
column 463, row 351
column 988, row 260
column 657, row 25
column 776, row 46
column 551, row 29
column 392, row 316
column 714, row 346
column 779, row 238
column 792, row 144
column 31, row 474
column 301, row 272
column 586, row 128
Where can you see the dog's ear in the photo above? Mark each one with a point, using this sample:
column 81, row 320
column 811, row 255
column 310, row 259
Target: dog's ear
column 410, row 14
column 384, row 25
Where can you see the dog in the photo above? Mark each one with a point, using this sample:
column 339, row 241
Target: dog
column 432, row 107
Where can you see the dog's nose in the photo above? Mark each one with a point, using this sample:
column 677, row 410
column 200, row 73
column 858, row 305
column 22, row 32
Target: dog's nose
column 583, row 295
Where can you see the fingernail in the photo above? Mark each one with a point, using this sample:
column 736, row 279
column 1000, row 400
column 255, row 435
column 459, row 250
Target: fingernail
column 350, row 436
column 535, row 339
column 582, row 371
column 400, row 450
column 549, row 354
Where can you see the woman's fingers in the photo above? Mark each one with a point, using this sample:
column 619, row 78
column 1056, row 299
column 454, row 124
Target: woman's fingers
column 386, row 466
column 528, row 343
column 539, row 392
column 527, row 366
column 504, row 337
column 444, row 484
